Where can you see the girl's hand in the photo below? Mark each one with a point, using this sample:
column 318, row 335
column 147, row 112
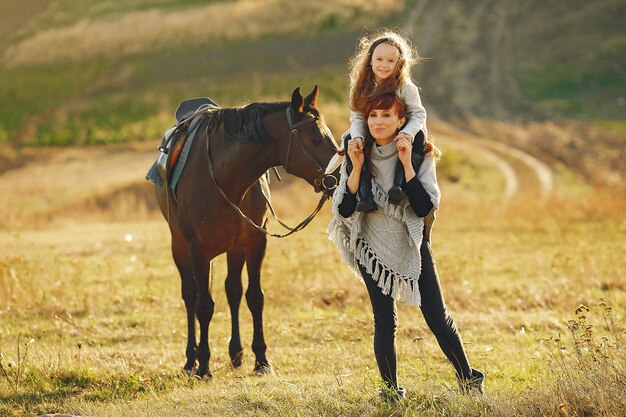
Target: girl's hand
column 355, row 152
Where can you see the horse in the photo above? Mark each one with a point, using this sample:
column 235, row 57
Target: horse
column 232, row 149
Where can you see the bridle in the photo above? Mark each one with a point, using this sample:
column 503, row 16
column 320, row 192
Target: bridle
column 322, row 178
column 320, row 182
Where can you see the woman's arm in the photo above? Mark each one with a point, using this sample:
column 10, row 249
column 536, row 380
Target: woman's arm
column 355, row 153
column 357, row 157
column 347, row 205
column 418, row 197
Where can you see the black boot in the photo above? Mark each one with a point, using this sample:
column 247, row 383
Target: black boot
column 395, row 192
column 392, row 395
column 474, row 384
column 366, row 202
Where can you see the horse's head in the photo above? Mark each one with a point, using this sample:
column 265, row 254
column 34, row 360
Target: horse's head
column 311, row 144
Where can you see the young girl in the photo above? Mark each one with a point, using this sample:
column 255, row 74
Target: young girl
column 390, row 247
column 382, row 64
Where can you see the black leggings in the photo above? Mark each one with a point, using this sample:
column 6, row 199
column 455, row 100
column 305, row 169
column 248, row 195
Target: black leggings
column 435, row 314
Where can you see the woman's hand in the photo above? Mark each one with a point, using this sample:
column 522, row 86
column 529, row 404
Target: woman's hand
column 405, row 147
column 355, row 153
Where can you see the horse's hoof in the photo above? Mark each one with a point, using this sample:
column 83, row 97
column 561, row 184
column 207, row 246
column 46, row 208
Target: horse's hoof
column 190, row 373
column 236, row 361
column 262, row 369
column 204, row 378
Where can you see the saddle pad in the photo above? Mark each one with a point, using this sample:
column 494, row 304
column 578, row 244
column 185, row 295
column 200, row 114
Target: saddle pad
column 182, row 159
column 153, row 173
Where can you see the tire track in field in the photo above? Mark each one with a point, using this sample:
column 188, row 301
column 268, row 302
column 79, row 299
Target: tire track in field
column 498, row 154
column 414, row 15
column 511, row 180
column 541, row 171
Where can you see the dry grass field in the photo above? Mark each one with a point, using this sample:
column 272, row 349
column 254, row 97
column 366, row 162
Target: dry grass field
column 530, row 240
column 121, row 34
column 92, row 323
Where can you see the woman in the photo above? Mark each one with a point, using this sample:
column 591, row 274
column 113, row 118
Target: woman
column 390, row 247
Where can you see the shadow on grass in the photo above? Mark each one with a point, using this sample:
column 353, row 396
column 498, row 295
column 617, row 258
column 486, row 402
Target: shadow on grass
column 42, row 392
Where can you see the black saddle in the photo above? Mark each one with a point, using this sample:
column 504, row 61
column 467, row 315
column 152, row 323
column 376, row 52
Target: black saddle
column 158, row 172
column 188, row 107
column 185, row 109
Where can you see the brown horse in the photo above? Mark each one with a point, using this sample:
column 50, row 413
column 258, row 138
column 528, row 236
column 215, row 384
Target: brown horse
column 233, row 148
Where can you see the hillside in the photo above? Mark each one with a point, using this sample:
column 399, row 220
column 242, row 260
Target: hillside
column 525, row 58
column 77, row 73
column 74, row 73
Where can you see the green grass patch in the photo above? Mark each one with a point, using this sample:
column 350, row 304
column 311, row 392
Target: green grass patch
column 108, row 101
column 611, row 125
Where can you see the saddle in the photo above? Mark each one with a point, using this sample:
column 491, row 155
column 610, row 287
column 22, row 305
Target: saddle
column 177, row 140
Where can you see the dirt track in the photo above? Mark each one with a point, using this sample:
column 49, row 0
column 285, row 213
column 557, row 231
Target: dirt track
column 503, row 157
column 62, row 183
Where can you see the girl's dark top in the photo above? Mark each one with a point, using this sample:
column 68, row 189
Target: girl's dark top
column 415, row 192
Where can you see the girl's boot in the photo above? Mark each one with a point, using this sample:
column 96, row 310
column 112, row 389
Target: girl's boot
column 366, row 202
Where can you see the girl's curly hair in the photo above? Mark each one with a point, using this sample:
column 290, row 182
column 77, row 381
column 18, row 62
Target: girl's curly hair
column 362, row 86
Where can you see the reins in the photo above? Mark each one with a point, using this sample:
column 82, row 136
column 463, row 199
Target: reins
column 293, row 128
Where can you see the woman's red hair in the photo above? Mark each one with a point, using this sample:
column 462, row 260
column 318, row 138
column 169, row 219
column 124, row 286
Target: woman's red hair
column 385, row 102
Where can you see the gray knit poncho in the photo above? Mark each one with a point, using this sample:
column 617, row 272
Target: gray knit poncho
column 387, row 241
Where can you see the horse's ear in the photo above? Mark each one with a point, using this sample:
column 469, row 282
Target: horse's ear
column 297, row 103
column 311, row 99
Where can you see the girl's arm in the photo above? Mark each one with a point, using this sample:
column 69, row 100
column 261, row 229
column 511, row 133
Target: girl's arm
column 416, row 113
column 357, row 125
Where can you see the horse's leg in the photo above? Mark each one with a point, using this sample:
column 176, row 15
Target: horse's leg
column 180, row 253
column 255, row 300
column 205, row 306
column 234, row 290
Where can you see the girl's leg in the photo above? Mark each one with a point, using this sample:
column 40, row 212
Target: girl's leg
column 437, row 316
column 395, row 192
column 385, row 325
column 366, row 198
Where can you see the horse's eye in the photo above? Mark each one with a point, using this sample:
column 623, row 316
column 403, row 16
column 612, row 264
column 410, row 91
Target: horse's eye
column 316, row 135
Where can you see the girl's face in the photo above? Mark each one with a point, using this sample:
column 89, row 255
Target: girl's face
column 383, row 124
column 384, row 61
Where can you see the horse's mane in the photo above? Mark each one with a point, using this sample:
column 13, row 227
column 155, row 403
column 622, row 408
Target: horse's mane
column 243, row 123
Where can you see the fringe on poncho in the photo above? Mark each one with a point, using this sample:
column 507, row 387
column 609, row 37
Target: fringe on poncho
column 401, row 281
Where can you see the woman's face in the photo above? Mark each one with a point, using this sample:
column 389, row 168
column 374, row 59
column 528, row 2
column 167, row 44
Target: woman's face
column 384, row 124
